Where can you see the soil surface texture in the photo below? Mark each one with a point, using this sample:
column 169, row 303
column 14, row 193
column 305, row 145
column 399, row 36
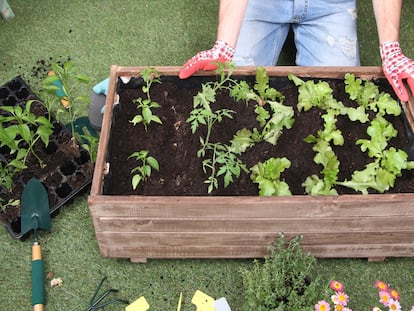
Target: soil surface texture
column 175, row 146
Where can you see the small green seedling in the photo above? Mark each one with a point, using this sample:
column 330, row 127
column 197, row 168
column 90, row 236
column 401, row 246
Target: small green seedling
column 223, row 162
column 143, row 171
column 7, row 171
column 90, row 144
column 10, row 203
column 20, row 130
column 146, row 106
column 60, row 94
column 267, row 176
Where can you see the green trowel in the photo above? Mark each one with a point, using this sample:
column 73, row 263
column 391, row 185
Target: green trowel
column 35, row 215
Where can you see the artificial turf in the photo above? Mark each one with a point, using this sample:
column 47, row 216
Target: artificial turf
column 96, row 34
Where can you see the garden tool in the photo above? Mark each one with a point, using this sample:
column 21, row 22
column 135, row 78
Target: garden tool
column 98, row 304
column 35, row 214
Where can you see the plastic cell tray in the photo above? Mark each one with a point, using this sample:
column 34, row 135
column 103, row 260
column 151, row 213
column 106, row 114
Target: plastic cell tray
column 71, row 175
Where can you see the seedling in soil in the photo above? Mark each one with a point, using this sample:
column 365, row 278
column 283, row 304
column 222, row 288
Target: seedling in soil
column 64, row 100
column 223, row 162
column 202, row 113
column 90, row 144
column 144, row 170
column 7, row 171
column 267, row 176
column 23, row 130
column 146, row 106
column 388, row 164
column 272, row 117
column 10, row 203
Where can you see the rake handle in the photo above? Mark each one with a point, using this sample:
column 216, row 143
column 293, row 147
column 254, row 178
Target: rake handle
column 38, row 278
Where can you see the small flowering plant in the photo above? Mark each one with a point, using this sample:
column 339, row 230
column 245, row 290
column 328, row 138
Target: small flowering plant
column 339, row 299
column 388, row 297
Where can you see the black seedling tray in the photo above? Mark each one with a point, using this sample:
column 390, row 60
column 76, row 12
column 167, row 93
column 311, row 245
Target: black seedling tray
column 67, row 172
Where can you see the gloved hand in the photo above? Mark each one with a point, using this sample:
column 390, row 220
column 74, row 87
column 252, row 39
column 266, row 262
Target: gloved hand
column 396, row 67
column 204, row 60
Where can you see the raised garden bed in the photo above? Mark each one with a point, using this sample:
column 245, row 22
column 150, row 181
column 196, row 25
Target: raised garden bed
column 66, row 171
column 174, row 217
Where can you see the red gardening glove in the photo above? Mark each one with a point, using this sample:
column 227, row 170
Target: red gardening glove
column 396, row 67
column 204, row 60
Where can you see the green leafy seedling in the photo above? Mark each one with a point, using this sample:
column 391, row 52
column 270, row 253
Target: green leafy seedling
column 142, row 171
column 146, row 106
column 10, row 203
column 22, row 131
column 60, row 94
column 267, row 175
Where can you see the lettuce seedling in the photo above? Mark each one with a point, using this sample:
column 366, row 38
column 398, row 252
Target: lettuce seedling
column 267, row 176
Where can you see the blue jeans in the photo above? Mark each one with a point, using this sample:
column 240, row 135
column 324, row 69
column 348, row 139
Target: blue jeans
column 325, row 32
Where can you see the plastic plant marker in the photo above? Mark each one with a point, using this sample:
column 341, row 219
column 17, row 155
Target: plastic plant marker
column 203, row 301
column 140, row 304
column 222, row 304
column 179, row 302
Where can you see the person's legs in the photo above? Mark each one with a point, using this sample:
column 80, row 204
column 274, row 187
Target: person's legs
column 263, row 33
column 327, row 34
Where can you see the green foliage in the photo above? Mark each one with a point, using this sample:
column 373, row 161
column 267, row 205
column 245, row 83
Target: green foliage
column 325, row 156
column 267, row 175
column 202, row 113
column 387, row 164
column 146, row 106
column 90, row 144
column 10, row 203
column 64, row 101
column 7, row 171
column 224, row 163
column 282, row 281
column 272, row 117
column 20, row 130
column 143, row 171
column 379, row 175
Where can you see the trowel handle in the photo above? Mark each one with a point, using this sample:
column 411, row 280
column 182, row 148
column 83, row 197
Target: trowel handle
column 38, row 278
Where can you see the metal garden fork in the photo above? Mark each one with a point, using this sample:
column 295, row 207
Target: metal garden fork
column 97, row 303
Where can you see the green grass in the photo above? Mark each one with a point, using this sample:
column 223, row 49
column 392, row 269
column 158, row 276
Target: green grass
column 96, row 34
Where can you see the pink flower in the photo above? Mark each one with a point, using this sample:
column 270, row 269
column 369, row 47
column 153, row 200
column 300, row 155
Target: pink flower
column 394, row 294
column 385, row 298
column 394, row 305
column 340, row 299
column 322, row 306
column 336, row 286
column 381, row 286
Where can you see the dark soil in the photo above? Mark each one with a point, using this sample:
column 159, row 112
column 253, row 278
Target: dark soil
column 175, row 147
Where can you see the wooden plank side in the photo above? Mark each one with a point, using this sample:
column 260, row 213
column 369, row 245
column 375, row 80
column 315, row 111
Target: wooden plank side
column 254, row 207
column 305, row 225
column 334, row 72
column 319, row 251
column 234, row 239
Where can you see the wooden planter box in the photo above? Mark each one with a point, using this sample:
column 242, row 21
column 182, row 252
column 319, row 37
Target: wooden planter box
column 142, row 227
